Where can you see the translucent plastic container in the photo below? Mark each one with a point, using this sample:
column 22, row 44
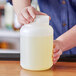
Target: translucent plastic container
column 36, row 44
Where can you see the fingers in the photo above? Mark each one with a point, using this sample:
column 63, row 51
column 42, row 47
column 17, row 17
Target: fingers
column 57, row 51
column 27, row 15
column 56, row 55
column 56, row 46
column 56, row 59
column 22, row 20
column 31, row 12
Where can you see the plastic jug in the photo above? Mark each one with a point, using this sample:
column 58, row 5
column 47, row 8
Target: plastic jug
column 36, row 44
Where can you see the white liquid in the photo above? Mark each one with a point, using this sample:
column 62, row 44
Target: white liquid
column 36, row 52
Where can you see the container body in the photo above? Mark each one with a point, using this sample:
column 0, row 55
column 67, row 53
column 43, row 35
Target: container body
column 36, row 45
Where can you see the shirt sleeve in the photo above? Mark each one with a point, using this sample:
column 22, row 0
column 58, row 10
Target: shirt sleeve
column 10, row 1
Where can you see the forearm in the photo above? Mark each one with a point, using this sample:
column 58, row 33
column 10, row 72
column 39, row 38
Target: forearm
column 20, row 4
column 68, row 39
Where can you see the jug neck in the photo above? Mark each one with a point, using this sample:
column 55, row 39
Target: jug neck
column 40, row 20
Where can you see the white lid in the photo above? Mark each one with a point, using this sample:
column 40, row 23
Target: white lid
column 42, row 19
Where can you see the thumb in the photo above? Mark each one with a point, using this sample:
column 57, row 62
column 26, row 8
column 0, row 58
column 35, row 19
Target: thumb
column 40, row 13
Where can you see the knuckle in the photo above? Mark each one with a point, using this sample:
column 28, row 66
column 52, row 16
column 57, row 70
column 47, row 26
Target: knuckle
column 23, row 10
column 30, row 8
column 28, row 17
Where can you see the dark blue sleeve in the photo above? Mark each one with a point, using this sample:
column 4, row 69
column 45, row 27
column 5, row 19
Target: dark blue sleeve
column 10, row 1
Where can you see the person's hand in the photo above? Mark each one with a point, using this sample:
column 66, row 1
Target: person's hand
column 28, row 14
column 57, row 51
